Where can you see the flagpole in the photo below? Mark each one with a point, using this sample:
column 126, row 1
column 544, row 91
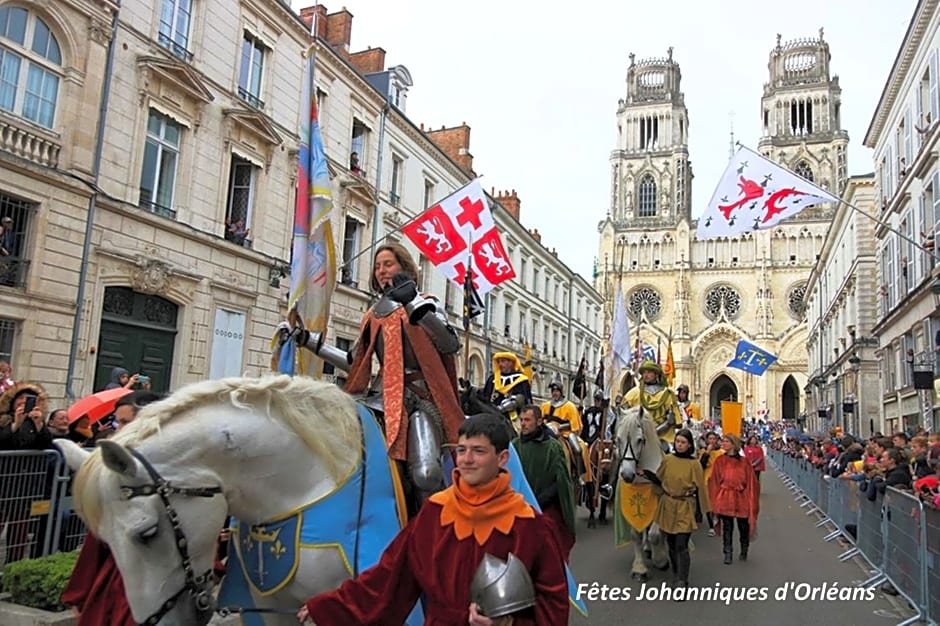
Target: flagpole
column 466, row 310
column 876, row 220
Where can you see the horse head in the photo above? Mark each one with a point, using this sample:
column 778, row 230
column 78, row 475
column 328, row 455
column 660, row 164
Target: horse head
column 159, row 491
column 637, row 444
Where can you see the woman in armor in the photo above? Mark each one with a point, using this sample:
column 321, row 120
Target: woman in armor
column 416, row 385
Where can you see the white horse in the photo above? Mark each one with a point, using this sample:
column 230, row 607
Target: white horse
column 267, row 451
column 638, row 448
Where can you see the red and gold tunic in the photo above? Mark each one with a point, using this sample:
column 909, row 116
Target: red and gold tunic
column 438, row 372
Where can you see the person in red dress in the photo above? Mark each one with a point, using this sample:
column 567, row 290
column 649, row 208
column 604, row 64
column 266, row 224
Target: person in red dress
column 735, row 496
column 437, row 554
column 755, row 454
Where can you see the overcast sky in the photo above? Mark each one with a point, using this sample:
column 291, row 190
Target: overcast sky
column 539, row 87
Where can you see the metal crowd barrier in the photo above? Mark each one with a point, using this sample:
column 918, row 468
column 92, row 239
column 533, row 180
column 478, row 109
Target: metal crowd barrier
column 896, row 534
column 36, row 516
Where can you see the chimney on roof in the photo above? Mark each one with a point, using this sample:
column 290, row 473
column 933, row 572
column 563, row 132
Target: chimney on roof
column 307, row 15
column 369, row 61
column 510, row 202
column 455, row 143
column 536, row 234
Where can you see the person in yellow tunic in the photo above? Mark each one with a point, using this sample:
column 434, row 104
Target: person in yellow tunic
column 684, row 498
column 657, row 400
column 707, row 457
column 508, row 388
column 563, row 417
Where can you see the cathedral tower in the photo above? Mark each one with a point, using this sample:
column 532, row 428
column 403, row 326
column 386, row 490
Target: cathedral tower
column 707, row 295
column 801, row 114
column 650, row 175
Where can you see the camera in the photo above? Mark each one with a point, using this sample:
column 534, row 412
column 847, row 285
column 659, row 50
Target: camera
column 143, row 379
column 29, row 405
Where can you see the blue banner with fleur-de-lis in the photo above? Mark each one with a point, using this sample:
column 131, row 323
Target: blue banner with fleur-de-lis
column 751, row 359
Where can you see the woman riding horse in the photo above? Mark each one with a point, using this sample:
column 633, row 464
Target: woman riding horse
column 416, row 387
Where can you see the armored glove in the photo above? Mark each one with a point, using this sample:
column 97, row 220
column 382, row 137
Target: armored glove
column 403, row 289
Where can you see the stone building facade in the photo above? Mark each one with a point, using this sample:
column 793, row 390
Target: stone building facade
column 841, row 310
column 710, row 294
column 904, row 134
column 148, row 159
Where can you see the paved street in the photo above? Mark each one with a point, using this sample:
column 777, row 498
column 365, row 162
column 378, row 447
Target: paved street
column 789, row 548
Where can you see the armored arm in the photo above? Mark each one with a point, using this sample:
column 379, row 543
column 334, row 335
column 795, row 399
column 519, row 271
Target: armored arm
column 512, row 403
column 313, row 341
column 424, row 312
column 428, row 314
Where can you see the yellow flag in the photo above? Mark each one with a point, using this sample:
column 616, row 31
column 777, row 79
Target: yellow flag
column 527, row 362
column 670, row 368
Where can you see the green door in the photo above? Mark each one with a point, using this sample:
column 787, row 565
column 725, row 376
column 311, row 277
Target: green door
column 138, row 332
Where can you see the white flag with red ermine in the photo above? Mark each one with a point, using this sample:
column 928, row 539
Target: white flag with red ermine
column 756, row 194
column 459, row 230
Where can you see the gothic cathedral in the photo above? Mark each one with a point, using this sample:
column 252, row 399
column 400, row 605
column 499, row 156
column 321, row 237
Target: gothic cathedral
column 709, row 294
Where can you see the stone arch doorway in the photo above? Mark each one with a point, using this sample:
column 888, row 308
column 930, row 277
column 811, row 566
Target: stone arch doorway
column 477, row 373
column 722, row 389
column 791, row 399
column 138, row 333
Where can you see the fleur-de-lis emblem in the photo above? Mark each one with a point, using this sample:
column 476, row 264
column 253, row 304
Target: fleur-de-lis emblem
column 278, row 549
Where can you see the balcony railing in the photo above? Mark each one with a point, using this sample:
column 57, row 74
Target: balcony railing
column 155, row 208
column 250, row 98
column 179, row 51
column 394, row 199
column 13, row 271
column 17, row 138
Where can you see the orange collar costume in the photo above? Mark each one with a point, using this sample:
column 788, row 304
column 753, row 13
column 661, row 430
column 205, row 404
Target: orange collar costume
column 478, row 511
column 438, row 372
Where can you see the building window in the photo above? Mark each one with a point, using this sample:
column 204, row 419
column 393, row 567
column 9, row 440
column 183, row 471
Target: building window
column 175, row 16
column 7, row 334
column 15, row 215
column 646, row 196
column 428, row 193
column 241, row 191
column 30, row 66
column 252, row 68
column 351, row 234
column 722, row 298
column 161, row 153
column 357, row 157
column 644, row 301
column 796, row 301
column 804, row 170
column 394, row 195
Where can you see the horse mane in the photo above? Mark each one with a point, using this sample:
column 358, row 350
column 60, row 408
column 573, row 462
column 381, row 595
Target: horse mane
column 322, row 415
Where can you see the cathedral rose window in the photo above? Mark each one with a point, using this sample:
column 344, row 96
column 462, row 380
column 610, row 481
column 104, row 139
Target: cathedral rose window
column 796, row 301
column 645, row 299
column 722, row 296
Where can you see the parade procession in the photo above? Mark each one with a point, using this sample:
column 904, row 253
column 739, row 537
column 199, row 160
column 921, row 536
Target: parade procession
column 274, row 352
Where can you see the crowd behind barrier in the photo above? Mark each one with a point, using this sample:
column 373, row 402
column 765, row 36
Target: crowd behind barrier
column 36, row 516
column 896, row 534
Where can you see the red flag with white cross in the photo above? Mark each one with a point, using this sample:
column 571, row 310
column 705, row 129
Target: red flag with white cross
column 460, row 229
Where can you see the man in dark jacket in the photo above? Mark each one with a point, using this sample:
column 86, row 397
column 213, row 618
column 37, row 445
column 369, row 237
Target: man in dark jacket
column 896, row 474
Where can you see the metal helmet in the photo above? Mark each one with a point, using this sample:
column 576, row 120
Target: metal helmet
column 683, row 387
column 500, row 587
column 598, row 395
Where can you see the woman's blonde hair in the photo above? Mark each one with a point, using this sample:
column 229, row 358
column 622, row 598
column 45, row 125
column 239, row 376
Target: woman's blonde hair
column 408, row 265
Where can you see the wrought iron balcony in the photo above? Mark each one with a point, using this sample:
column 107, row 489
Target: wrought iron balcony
column 251, row 99
column 156, row 209
column 179, row 51
column 13, row 271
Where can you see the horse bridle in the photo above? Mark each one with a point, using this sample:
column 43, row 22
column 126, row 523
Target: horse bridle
column 199, row 587
column 628, row 448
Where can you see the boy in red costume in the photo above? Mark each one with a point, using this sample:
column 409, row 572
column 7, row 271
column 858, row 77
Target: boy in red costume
column 439, row 551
